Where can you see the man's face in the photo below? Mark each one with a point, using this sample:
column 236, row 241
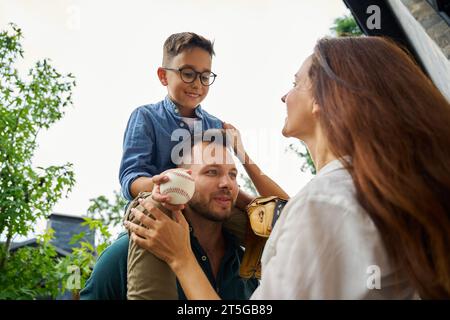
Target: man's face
column 187, row 96
column 216, row 187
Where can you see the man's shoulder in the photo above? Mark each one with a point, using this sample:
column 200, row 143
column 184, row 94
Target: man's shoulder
column 108, row 278
column 118, row 246
column 114, row 256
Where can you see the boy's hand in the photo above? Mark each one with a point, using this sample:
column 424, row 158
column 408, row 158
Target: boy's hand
column 164, row 199
column 234, row 136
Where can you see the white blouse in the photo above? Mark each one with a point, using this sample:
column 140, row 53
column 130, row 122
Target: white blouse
column 325, row 246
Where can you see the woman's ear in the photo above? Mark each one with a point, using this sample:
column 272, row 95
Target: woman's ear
column 162, row 76
column 315, row 108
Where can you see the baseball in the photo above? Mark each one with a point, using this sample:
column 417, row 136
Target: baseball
column 180, row 187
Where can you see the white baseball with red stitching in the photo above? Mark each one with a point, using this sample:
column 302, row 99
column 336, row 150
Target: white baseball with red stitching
column 180, row 187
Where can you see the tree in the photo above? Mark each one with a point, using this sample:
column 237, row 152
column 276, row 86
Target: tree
column 246, row 184
column 74, row 269
column 302, row 152
column 31, row 272
column 110, row 213
column 345, row 26
column 28, row 105
column 103, row 215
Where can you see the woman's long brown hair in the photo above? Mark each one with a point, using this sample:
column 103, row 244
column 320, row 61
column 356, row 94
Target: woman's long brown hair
column 379, row 108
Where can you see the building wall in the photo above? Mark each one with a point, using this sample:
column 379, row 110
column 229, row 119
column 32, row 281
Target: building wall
column 430, row 36
column 65, row 228
column 433, row 24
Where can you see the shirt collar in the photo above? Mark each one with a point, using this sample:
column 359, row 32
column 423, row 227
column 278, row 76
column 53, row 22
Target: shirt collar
column 231, row 241
column 230, row 238
column 334, row 165
column 173, row 109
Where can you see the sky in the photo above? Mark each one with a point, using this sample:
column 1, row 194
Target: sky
column 114, row 49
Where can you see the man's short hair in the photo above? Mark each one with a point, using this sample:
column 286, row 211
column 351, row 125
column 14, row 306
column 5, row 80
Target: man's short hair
column 216, row 137
column 179, row 42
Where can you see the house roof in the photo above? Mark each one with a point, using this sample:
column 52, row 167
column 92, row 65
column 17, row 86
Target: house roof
column 33, row 243
column 65, row 227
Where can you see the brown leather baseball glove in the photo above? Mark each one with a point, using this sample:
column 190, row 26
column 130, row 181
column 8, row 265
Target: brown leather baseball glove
column 263, row 212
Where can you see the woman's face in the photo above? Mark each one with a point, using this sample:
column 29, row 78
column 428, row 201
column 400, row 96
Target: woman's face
column 300, row 120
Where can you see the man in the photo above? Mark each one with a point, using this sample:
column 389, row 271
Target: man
column 217, row 251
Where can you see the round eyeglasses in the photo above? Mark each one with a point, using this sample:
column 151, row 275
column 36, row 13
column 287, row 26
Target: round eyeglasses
column 189, row 75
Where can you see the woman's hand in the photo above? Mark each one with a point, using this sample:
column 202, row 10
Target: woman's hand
column 235, row 136
column 164, row 199
column 168, row 239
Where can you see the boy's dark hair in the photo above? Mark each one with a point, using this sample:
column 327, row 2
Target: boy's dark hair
column 179, row 42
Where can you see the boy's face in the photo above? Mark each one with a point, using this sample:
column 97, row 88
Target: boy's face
column 187, row 96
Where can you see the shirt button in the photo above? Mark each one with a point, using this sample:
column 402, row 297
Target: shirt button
column 204, row 258
column 190, row 229
column 176, row 110
column 181, row 124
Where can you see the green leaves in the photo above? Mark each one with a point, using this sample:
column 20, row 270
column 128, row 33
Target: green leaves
column 302, row 152
column 108, row 212
column 27, row 193
column 346, row 26
column 10, row 46
column 247, row 185
column 83, row 258
column 31, row 272
column 28, row 105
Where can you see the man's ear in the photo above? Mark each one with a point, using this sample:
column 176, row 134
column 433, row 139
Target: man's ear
column 162, row 76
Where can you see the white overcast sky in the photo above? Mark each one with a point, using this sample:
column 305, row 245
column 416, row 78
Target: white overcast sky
column 114, row 48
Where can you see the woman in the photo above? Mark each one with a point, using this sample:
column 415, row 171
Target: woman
column 375, row 221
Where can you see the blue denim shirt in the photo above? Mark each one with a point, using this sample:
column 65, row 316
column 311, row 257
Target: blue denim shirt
column 147, row 143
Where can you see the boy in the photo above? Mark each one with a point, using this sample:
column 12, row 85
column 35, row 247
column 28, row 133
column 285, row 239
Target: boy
column 186, row 72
